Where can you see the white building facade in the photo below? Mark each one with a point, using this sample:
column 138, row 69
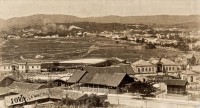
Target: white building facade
column 155, row 65
column 22, row 67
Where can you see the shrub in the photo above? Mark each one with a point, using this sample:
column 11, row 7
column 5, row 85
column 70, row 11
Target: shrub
column 88, row 101
column 144, row 88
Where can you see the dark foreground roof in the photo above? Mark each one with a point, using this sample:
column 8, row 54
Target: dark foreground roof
column 127, row 68
column 6, row 81
column 116, row 79
column 107, row 79
column 100, row 78
column 92, row 71
column 177, row 82
column 77, row 75
column 87, row 77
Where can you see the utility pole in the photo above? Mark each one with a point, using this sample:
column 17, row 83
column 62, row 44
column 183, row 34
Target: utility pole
column 146, row 103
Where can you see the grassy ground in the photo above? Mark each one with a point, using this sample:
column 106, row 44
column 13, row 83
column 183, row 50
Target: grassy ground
column 77, row 47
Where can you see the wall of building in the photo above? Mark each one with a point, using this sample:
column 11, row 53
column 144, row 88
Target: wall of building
column 145, row 69
column 174, row 89
column 189, row 78
column 98, row 89
column 153, row 69
column 34, row 67
column 6, row 68
column 172, row 68
column 21, row 67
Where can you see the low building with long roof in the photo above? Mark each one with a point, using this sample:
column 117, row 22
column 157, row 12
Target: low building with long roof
column 176, row 86
column 101, row 79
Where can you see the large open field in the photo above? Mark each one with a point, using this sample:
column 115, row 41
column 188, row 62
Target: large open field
column 77, row 47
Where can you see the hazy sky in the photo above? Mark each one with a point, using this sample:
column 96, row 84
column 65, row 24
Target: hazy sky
column 85, row 8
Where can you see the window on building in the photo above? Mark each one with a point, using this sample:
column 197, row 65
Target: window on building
column 169, row 68
column 149, row 69
column 191, row 79
column 146, row 69
column 152, row 69
column 172, row 68
column 37, row 66
column 138, row 69
column 22, row 67
column 142, row 69
column 32, row 67
column 177, row 68
column 166, row 68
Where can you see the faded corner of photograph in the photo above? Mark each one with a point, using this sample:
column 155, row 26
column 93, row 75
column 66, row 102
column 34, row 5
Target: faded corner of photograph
column 100, row 53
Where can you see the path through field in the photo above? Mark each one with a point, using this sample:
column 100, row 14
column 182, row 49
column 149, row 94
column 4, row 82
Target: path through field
column 92, row 48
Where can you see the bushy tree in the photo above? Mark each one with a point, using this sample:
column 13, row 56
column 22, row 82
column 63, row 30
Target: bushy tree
column 145, row 89
column 92, row 100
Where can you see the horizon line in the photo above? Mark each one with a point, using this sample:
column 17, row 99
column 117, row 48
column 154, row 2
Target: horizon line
column 102, row 15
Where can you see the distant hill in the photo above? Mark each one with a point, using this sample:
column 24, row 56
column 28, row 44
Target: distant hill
column 41, row 19
column 1, row 21
column 158, row 19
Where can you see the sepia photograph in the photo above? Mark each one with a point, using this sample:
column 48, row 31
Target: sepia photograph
column 99, row 53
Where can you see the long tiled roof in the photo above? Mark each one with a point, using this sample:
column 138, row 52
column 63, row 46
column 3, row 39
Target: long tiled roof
column 127, row 68
column 100, row 78
column 87, row 77
column 115, row 79
column 100, row 75
column 77, row 75
column 142, row 63
column 167, row 62
column 177, row 82
column 163, row 61
column 103, row 76
column 106, row 79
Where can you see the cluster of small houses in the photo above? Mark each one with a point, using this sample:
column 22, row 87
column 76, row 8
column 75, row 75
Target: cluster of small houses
column 32, row 33
column 163, row 38
column 160, row 39
column 108, row 76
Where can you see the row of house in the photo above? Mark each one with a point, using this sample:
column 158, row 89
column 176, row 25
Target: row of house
column 21, row 66
column 109, row 77
column 156, row 65
column 38, row 66
column 153, row 65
